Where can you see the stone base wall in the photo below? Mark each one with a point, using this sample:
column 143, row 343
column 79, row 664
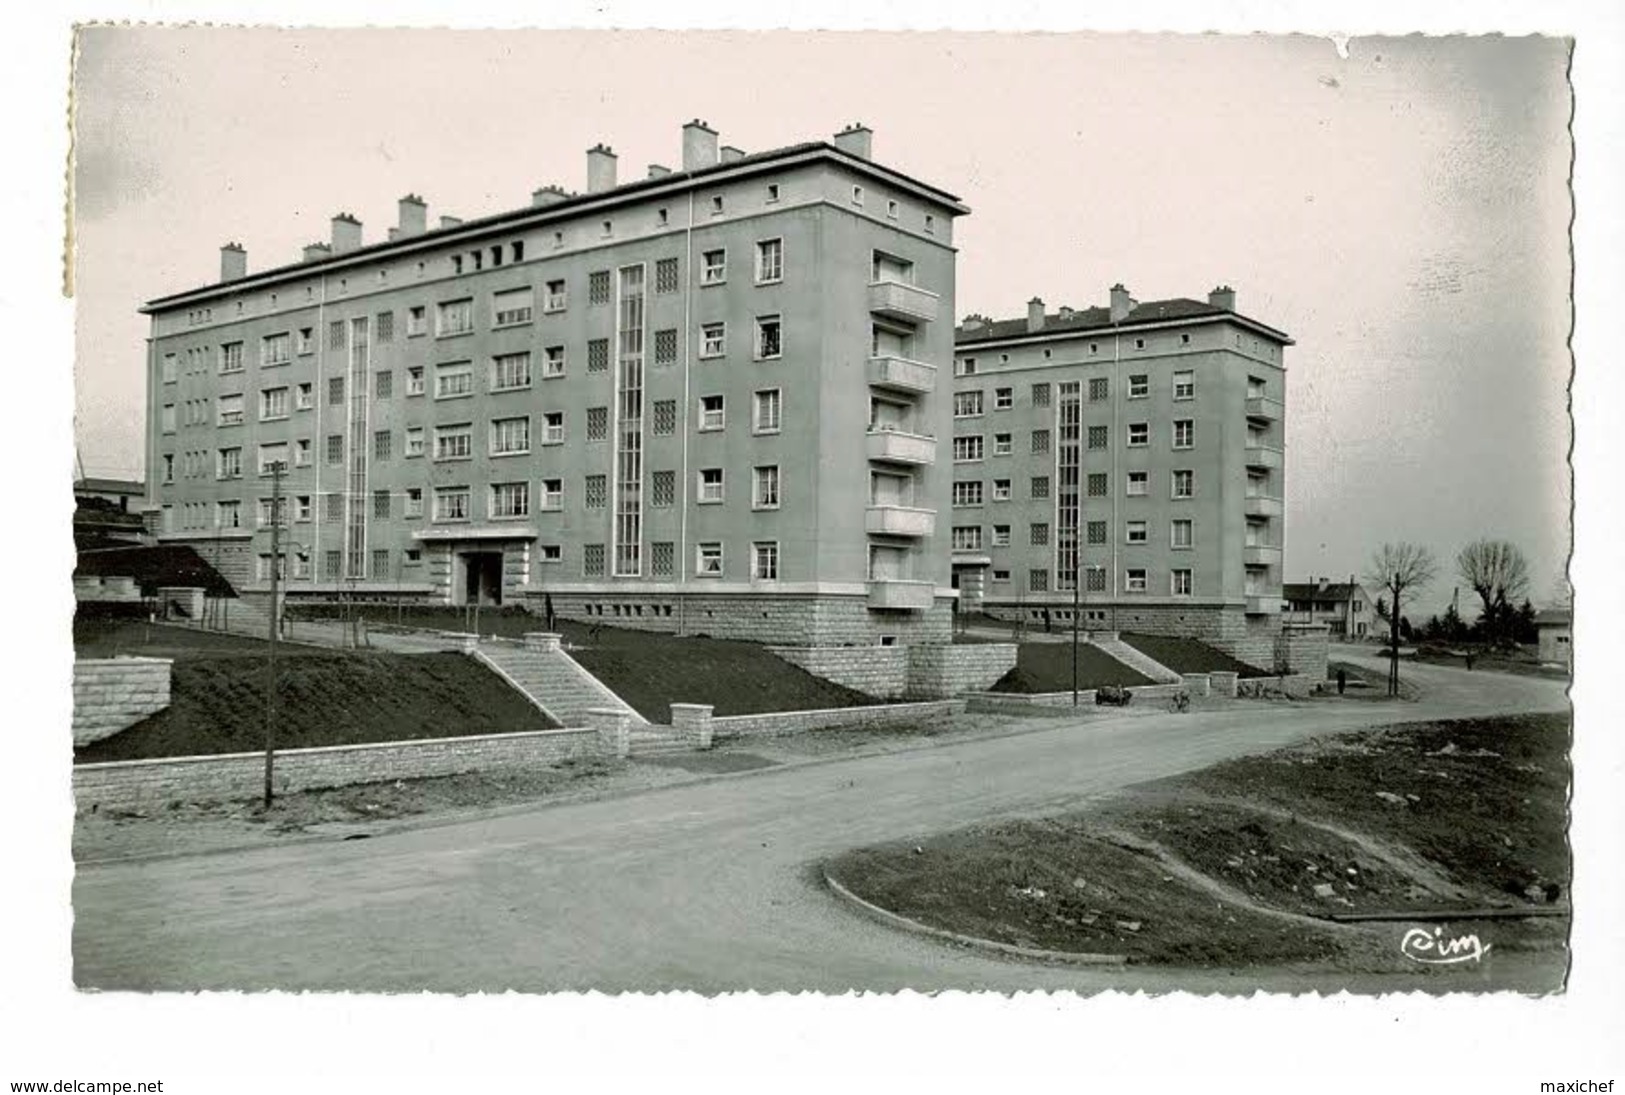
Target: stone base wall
column 789, row 619
column 137, row 784
column 1303, row 648
column 113, row 694
column 106, row 590
column 939, row 670
column 878, row 671
column 792, row 722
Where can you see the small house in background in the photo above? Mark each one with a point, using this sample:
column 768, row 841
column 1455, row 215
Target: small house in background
column 107, row 513
column 1554, row 626
column 1345, row 608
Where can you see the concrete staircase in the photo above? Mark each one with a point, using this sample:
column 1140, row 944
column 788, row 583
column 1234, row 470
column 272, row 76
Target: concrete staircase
column 1141, row 663
column 554, row 681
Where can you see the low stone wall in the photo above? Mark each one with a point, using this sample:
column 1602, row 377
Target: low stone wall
column 108, row 589
column 1303, row 648
column 1296, row 685
column 878, row 671
column 940, row 670
column 792, row 722
column 113, row 694
column 135, row 784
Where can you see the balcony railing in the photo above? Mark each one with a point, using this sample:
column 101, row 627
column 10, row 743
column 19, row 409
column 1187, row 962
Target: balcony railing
column 885, row 520
column 901, row 593
column 1260, row 506
column 899, row 374
column 1259, row 555
column 1264, row 408
column 896, row 300
column 1264, row 456
column 1260, row 604
column 898, row 447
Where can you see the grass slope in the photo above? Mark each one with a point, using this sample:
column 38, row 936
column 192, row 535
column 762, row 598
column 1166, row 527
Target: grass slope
column 1047, row 667
column 1189, row 655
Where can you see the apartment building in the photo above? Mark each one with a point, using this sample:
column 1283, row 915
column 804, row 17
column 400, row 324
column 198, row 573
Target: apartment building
column 704, row 400
column 1137, row 449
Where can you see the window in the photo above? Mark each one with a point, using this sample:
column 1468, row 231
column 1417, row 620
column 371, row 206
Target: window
column 510, row 500
column 1041, row 394
column 666, row 276
column 1179, row 583
column 708, row 559
column 335, row 391
column 1097, row 484
column 301, row 453
column 1038, row 533
column 1139, row 433
column 332, row 562
column 554, row 296
column 335, row 335
column 1096, row 532
column 171, row 368
column 968, row 404
column 769, row 342
column 597, row 423
column 451, row 504
column 1181, row 533
column 414, row 441
column 380, row 504
column 510, row 436
column 169, row 467
column 552, row 494
column 1185, row 385
column 1040, row 486
column 301, row 507
column 1003, row 398
column 454, row 442
column 417, row 321
column 1038, row 580
column 598, row 355
column 1001, row 535
column 380, row 563
column 1094, row 579
column 1098, row 437
column 765, row 561
column 598, row 287
column 1139, row 386
column 666, row 346
column 1002, row 444
column 665, row 417
column 1099, row 389
column 414, row 502
column 766, row 492
column 1184, row 433
column 230, row 464
column 596, row 491
column 231, row 356
column 965, row 367
column 968, row 493
column 710, row 485
column 453, row 381
column 713, row 267
column 662, row 558
column 711, row 412
column 1139, row 484
column 510, row 372
column 383, row 384
column 229, row 410
column 228, row 514
column 454, row 317
column 1134, row 580
column 967, row 448
column 713, row 337
column 384, row 323
column 512, row 306
column 274, row 350
column 967, row 538
column 1134, row 532
column 383, row 444
column 552, row 362
column 1001, row 490
column 273, row 403
column 553, row 428
column 1040, row 441
column 1184, row 485
column 414, row 380
column 772, row 192
column 891, row 209
column 770, row 260
column 663, row 488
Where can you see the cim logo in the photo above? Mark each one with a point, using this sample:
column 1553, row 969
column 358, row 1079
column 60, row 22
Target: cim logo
column 1434, row 949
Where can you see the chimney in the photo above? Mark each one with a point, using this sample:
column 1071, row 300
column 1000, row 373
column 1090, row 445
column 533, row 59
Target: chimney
column 658, row 171
column 1035, row 314
column 600, row 169
column 393, row 233
column 346, row 233
column 730, row 154
column 973, row 322
column 414, row 216
column 857, row 138
column 547, row 195
column 1223, row 297
column 1066, row 312
column 1122, row 303
column 315, row 251
column 699, row 145
column 450, row 222
column 233, row 262
column 1320, row 585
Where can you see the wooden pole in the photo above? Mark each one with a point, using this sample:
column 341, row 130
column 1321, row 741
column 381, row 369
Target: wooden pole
column 270, row 683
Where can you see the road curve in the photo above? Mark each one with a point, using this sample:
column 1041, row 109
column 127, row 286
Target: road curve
column 708, row 887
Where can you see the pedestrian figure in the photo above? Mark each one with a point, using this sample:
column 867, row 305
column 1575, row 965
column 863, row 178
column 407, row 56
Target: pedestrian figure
column 547, row 610
column 1046, row 621
column 1470, row 657
column 1342, row 680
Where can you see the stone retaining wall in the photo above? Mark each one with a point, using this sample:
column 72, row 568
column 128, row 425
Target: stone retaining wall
column 134, row 784
column 940, row 670
column 791, row 722
column 800, row 619
column 113, row 694
column 878, row 671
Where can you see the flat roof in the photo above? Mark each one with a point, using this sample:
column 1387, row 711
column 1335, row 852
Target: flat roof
column 1085, row 320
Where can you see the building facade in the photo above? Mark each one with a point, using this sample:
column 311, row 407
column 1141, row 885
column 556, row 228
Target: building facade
column 702, row 401
column 1346, row 609
column 1128, row 460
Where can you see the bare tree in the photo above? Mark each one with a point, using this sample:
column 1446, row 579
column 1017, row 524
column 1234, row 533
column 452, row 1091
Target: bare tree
column 1498, row 572
column 1398, row 568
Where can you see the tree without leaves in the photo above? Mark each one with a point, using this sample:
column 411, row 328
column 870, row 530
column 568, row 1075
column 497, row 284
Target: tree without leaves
column 1498, row 572
column 1397, row 568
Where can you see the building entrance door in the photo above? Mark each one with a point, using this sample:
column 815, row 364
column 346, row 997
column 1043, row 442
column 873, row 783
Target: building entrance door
column 482, row 584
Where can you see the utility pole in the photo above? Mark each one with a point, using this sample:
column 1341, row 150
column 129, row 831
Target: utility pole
column 1077, row 605
column 276, row 613
column 1393, row 666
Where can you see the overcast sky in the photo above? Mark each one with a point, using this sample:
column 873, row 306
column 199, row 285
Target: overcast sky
column 1403, row 213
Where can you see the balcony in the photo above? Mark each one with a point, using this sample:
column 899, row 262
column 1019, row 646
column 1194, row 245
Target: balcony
column 899, row 374
column 1259, row 604
column 899, row 593
column 899, row 521
column 1260, row 506
column 897, row 447
column 1261, row 555
column 1264, row 456
column 909, row 303
column 1264, row 408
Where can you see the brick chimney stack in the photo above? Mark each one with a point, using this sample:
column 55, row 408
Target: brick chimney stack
column 1035, row 314
column 233, row 262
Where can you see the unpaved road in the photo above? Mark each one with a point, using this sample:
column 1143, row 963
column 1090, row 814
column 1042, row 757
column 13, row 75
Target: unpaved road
column 706, row 886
